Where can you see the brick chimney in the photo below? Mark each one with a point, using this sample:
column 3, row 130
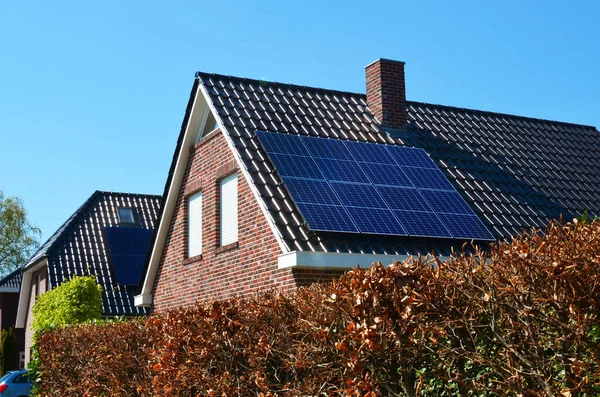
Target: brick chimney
column 386, row 93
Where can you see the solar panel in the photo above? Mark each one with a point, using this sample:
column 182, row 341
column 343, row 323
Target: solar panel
column 375, row 221
column 411, row 157
column 342, row 170
column 311, row 191
column 466, row 226
column 296, row 166
column 408, row 199
column 327, row 217
column 369, row 153
column 391, row 175
column 127, row 248
column 358, row 187
column 446, row 201
column 355, row 195
column 422, row 224
column 427, row 178
column 327, row 148
column 283, row 143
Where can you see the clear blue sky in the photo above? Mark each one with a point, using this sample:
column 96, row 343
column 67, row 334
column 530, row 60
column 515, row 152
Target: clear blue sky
column 92, row 94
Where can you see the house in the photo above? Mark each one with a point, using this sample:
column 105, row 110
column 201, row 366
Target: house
column 108, row 236
column 251, row 202
column 10, row 285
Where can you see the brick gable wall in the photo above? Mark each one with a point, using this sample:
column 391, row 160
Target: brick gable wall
column 221, row 272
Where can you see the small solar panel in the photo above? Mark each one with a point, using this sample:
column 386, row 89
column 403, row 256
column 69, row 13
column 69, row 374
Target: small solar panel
column 428, row 178
column 327, row 217
column 128, row 247
column 411, row 157
column 369, row 153
column 423, row 224
column 296, row 166
column 355, row 195
column 375, row 221
column 327, row 148
column 358, row 187
column 311, row 191
column 466, row 226
column 342, row 170
column 384, row 174
column 408, row 199
column 446, row 201
column 282, row 143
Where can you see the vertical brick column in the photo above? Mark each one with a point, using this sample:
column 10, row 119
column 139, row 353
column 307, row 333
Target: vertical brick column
column 386, row 93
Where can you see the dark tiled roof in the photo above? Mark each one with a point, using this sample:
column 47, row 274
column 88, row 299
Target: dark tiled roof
column 79, row 247
column 12, row 280
column 514, row 172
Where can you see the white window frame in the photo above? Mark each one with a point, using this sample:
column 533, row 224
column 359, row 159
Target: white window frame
column 228, row 206
column 194, row 225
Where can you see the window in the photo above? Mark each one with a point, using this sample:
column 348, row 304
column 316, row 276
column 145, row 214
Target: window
column 229, row 210
column 126, row 215
column 195, row 225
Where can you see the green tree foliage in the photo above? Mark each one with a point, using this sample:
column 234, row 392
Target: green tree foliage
column 17, row 236
column 74, row 302
column 9, row 360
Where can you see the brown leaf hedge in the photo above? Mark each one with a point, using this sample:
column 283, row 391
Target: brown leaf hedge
column 520, row 319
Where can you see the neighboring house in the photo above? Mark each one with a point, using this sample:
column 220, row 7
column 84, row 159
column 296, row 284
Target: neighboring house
column 108, row 236
column 10, row 285
column 246, row 210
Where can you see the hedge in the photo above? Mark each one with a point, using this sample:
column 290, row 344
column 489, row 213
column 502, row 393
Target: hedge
column 519, row 319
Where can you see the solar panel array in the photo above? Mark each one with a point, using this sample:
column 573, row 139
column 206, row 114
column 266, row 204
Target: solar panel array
column 359, row 187
column 128, row 247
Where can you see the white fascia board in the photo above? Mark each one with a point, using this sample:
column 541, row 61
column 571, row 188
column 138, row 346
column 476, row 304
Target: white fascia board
column 197, row 113
column 334, row 260
column 9, row 289
column 245, row 172
column 25, row 293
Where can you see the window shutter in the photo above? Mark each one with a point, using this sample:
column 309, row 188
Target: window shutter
column 229, row 210
column 195, row 225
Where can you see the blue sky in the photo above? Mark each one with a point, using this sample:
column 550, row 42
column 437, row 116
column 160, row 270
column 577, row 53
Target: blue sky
column 92, row 94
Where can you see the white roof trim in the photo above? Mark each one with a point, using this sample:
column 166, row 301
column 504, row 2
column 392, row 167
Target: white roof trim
column 24, row 295
column 198, row 110
column 9, row 289
column 333, row 260
column 198, row 113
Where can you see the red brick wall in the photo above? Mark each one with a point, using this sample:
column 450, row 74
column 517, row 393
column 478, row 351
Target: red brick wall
column 220, row 273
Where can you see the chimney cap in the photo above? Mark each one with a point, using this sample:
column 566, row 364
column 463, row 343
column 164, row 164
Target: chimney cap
column 386, row 61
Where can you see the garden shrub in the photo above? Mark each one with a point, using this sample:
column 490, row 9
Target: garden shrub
column 519, row 319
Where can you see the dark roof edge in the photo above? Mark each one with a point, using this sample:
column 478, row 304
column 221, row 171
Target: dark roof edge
column 186, row 117
column 127, row 194
column 363, row 96
column 11, row 274
column 296, row 86
column 491, row 113
column 61, row 229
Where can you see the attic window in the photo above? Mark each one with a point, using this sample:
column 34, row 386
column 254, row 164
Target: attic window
column 126, row 215
column 210, row 124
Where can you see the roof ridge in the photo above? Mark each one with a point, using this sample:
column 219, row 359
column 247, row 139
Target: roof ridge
column 259, row 81
column 128, row 194
column 363, row 96
column 489, row 112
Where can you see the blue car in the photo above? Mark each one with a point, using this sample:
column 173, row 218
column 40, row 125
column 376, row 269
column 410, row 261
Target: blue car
column 15, row 384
